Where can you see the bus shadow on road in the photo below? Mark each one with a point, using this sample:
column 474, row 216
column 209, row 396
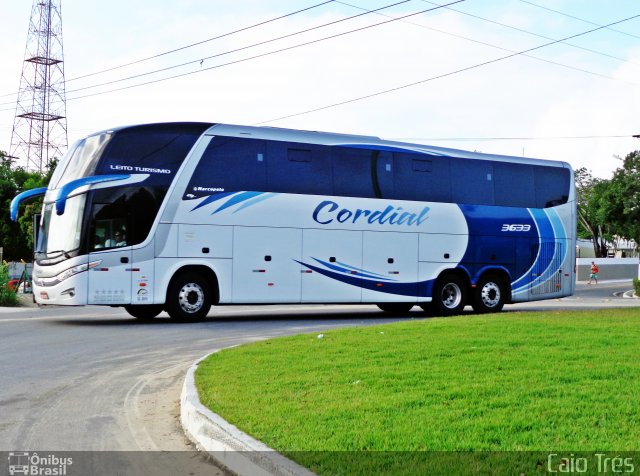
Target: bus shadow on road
column 324, row 316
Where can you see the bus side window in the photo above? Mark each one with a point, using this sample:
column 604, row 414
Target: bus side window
column 299, row 168
column 552, row 186
column 385, row 168
column 123, row 216
column 422, row 177
column 514, row 185
column 109, row 232
column 230, row 165
column 472, row 181
column 352, row 173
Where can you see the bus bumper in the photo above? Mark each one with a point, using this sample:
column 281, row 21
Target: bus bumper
column 61, row 285
column 71, row 292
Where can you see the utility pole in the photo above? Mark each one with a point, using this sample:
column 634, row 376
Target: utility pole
column 40, row 124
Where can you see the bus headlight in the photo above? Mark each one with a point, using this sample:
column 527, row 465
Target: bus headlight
column 66, row 274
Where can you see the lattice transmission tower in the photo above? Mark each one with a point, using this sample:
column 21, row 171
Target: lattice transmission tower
column 40, row 125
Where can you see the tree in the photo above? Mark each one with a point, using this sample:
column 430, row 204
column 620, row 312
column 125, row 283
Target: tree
column 621, row 203
column 592, row 223
column 16, row 238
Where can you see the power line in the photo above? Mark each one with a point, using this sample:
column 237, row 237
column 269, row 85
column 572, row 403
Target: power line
column 600, row 53
column 222, row 54
column 451, row 73
column 484, row 43
column 578, row 18
column 267, row 53
column 204, row 41
column 164, row 53
column 623, row 136
column 201, row 60
column 403, row 18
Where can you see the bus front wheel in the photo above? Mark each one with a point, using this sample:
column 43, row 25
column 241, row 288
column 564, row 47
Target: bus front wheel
column 449, row 295
column 489, row 295
column 144, row 312
column 189, row 297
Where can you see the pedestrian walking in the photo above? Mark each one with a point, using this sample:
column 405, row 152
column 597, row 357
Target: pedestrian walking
column 593, row 276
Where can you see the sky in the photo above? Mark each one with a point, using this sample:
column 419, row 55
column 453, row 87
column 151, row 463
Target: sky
column 475, row 75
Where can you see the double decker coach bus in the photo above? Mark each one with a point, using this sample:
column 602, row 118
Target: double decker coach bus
column 183, row 216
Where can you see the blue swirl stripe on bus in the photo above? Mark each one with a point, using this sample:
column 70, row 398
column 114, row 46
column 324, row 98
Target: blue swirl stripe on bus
column 559, row 251
column 413, row 289
column 261, row 196
column 350, row 269
column 234, row 200
column 547, row 236
column 247, row 198
column 212, row 198
column 348, row 266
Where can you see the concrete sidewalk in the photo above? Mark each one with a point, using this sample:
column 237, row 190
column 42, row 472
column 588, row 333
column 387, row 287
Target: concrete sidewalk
column 25, row 303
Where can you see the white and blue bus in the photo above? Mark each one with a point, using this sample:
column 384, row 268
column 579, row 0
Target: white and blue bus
column 183, row 216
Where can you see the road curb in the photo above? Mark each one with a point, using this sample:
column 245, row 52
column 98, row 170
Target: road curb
column 229, row 446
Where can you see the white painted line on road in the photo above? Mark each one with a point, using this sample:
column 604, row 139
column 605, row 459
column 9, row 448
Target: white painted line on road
column 51, row 318
column 27, row 319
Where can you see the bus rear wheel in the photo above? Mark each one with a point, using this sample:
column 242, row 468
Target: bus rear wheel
column 395, row 307
column 189, row 297
column 145, row 312
column 489, row 295
column 449, row 295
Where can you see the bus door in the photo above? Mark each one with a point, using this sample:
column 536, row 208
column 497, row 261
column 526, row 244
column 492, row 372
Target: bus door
column 547, row 272
column 110, row 281
column 393, row 257
column 110, row 230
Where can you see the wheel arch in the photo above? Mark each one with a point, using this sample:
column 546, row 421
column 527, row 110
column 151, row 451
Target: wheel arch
column 205, row 271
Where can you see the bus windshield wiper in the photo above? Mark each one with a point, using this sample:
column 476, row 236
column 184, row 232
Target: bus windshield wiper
column 57, row 253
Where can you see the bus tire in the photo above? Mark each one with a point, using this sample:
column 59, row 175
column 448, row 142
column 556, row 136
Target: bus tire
column 395, row 307
column 489, row 294
column 189, row 297
column 145, row 312
column 449, row 295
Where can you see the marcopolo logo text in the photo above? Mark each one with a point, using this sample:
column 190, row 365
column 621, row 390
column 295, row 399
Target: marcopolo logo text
column 330, row 212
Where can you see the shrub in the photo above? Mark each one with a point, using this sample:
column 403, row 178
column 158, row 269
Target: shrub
column 8, row 297
column 636, row 286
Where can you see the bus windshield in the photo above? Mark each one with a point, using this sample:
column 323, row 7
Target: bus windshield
column 81, row 160
column 60, row 234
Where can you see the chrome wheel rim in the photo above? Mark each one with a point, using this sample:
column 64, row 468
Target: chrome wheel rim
column 490, row 294
column 191, row 298
column 451, row 295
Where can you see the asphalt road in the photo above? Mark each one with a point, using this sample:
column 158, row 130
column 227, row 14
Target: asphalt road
column 95, row 379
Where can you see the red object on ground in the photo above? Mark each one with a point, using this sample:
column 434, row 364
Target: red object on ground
column 12, row 284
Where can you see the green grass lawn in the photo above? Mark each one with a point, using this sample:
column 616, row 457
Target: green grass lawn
column 565, row 381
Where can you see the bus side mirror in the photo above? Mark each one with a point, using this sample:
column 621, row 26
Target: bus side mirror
column 15, row 203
